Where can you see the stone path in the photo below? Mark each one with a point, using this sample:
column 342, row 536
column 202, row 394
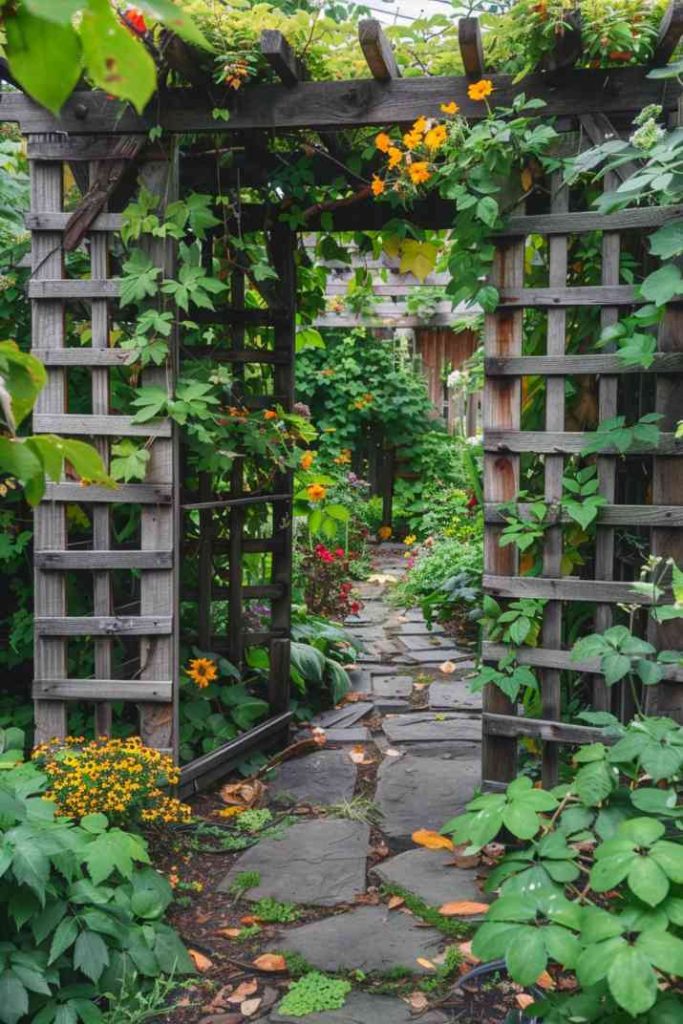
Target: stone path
column 423, row 726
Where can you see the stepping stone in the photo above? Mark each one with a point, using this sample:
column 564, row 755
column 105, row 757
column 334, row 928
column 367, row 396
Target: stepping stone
column 433, row 727
column 390, row 706
column 323, row 778
column 386, row 647
column 362, row 1008
column 453, row 696
column 437, row 655
column 367, row 633
column 354, row 734
column 423, row 792
column 424, row 642
column 315, row 862
column 403, row 629
column 342, row 717
column 392, row 686
column 430, row 875
column 382, row 670
column 360, row 680
column 366, row 939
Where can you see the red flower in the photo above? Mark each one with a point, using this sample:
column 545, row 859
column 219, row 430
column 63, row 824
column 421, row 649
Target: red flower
column 472, row 503
column 134, row 19
column 340, row 553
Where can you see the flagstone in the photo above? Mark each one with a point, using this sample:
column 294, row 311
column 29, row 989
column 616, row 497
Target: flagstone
column 423, row 792
column 322, row 778
column 431, row 876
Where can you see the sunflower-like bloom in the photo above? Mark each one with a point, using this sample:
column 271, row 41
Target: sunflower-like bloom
column 480, row 90
column 306, row 460
column 395, row 156
column 377, row 185
column 419, row 172
column 316, row 492
column 450, row 108
column 436, row 136
column 202, row 671
column 383, row 142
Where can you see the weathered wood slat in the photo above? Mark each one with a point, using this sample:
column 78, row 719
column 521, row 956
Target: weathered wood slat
column 104, row 426
column 610, row 515
column 205, row 770
column 543, row 657
column 266, row 590
column 345, row 104
column 74, row 289
column 377, row 50
column 670, row 31
column 58, row 221
column 547, row 366
column 581, row 222
column 106, row 559
column 579, row 295
column 333, row 320
column 245, row 355
column 471, row 47
column 538, row 728
column 103, row 689
column 122, row 494
column 84, row 357
column 567, row 442
column 566, row 588
column 247, row 499
column 104, row 625
column 339, row 286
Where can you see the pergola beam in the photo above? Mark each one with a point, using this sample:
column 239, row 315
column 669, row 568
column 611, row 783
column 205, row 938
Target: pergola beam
column 471, row 48
column 670, row 31
column 377, row 50
column 281, row 57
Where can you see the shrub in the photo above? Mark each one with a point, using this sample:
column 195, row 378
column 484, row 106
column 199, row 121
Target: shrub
column 120, row 778
column 80, row 909
column 327, row 588
column 444, row 576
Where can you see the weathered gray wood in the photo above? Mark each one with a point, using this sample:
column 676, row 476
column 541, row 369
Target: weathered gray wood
column 236, row 518
column 566, row 588
column 108, row 222
column 610, row 515
column 75, row 148
column 219, row 503
column 377, row 50
column 104, row 625
column 247, row 355
column 548, row 731
column 579, row 295
column 471, row 47
column 123, row 494
column 103, row 425
column 334, row 320
column 84, row 357
column 103, row 559
column 542, row 657
column 546, row 366
column 344, row 104
column 267, row 590
column 670, row 31
column 339, row 285
column 102, row 690
column 599, row 129
column 576, row 223
column 203, row 771
column 47, row 332
column 281, row 57
column 567, row 442
column 73, row 289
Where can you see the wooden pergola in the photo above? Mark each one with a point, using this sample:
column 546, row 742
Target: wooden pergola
column 103, row 140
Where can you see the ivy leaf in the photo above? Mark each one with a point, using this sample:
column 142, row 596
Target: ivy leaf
column 632, row 981
column 129, row 461
column 151, row 403
column 44, row 57
column 91, row 955
column 199, row 213
column 13, row 998
column 117, row 61
column 663, row 285
column 140, row 280
column 667, row 241
column 418, row 258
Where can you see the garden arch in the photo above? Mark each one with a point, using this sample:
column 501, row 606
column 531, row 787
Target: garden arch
column 97, row 133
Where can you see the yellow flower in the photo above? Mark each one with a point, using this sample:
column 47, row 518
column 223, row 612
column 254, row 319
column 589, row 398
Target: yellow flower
column 480, row 90
column 450, row 108
column 412, row 139
column 421, row 125
column 306, row 460
column 419, row 172
column 395, row 156
column 202, row 671
column 377, row 185
column 316, row 492
column 410, row 539
column 436, row 137
column 383, row 142
column 384, row 532
column 270, row 414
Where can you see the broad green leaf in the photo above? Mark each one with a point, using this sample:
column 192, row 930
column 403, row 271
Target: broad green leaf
column 59, row 11
column 91, row 955
column 44, row 57
column 117, row 62
column 13, row 998
column 492, row 939
column 648, row 881
column 632, row 981
column 667, row 241
column 669, row 857
column 418, row 258
column 609, row 871
column 521, row 820
column 663, row 950
column 594, row 962
column 65, row 935
column 561, row 945
column 642, row 831
column 114, row 851
column 615, row 667
column 526, row 957
column 663, row 285
column 173, row 17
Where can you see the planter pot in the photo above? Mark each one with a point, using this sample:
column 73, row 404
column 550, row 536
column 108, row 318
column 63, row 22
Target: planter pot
column 482, row 972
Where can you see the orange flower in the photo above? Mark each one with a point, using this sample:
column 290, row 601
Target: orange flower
column 480, row 90
column 306, row 460
column 450, row 108
column 395, row 157
column 383, row 142
column 421, row 125
column 377, row 185
column 384, row 532
column 436, row 137
column 202, row 671
column 316, row 492
column 412, row 139
column 270, row 414
column 419, row 172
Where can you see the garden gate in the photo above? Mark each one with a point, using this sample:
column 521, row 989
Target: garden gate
column 111, row 140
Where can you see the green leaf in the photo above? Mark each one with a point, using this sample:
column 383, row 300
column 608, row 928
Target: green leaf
column 526, row 957
column 669, row 857
column 663, row 285
column 561, row 945
column 609, row 871
column 522, row 821
column 174, row 18
column 615, row 667
column 648, row 881
column 59, row 11
column 663, row 950
column 308, row 337
column 117, row 62
column 487, row 211
column 594, row 962
column 593, row 783
column 91, row 955
column 642, row 831
column 13, row 998
column 114, row 851
column 44, row 57
column 632, row 981
column 667, row 241
column 64, row 936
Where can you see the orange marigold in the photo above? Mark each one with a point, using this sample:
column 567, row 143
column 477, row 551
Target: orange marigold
column 395, row 156
column 450, row 108
column 436, row 137
column 377, row 185
column 202, row 671
column 412, row 139
column 316, row 492
column 419, row 172
column 480, row 90
column 306, row 460
column 383, row 142
column 384, row 532
column 421, row 125
column 270, row 414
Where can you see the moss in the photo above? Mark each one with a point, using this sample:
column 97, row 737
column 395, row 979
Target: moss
column 430, row 915
column 244, row 881
column 314, row 993
column 297, row 965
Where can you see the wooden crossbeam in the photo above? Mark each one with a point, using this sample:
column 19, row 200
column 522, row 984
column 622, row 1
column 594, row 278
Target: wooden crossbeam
column 610, row 515
column 557, row 366
column 670, row 31
column 471, row 47
column 281, row 57
column 377, row 50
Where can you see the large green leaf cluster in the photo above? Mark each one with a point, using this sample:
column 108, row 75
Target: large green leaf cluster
column 80, row 907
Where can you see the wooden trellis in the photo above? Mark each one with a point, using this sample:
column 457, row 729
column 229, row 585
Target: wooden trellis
column 99, row 131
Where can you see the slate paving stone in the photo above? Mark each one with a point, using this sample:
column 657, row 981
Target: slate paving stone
column 323, row 778
column 392, row 686
column 431, row 876
column 389, row 706
column 437, row 655
column 359, row 679
column 321, row 863
column 343, row 717
column 452, row 696
column 423, row 792
column 402, row 629
column 432, row 726
column 424, row 642
column 366, row 939
column 361, row 1008
column 354, row 734
column 383, row 670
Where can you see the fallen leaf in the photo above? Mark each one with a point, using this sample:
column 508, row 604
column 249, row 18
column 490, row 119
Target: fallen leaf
column 390, row 752
column 243, row 991
column 201, row 962
column 447, row 667
column 545, row 981
column 466, row 950
column 243, row 794
column 417, row 1001
column 249, row 1007
column 395, row 901
column 368, row 899
column 427, row 964
column 249, row 919
column 270, row 962
column 432, row 840
column 463, row 908
column 527, row 179
column 460, row 861
column 358, row 755
column 523, row 1000
column 228, row 933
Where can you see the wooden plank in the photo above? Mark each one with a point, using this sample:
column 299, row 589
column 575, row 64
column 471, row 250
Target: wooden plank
column 582, row 221
column 247, row 355
column 336, row 320
column 567, row 442
column 205, row 770
column 612, row 515
column 338, row 285
column 538, row 728
column 77, row 148
column 50, row 531
column 103, row 625
column 122, row 494
column 542, row 657
column 84, row 357
column 471, row 48
column 104, row 425
column 266, row 590
column 578, row 295
column 236, row 517
column 222, row 503
column 339, row 104
column 109, row 222
column 73, row 288
column 103, row 559
column 565, row 588
column 670, row 31
column 547, row 366
column 102, row 690
column 377, row 50
column 281, row 57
